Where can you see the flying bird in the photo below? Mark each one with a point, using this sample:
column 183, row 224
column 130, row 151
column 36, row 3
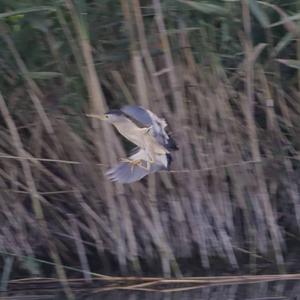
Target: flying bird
column 153, row 144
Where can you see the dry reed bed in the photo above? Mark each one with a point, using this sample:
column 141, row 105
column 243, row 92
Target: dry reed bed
column 234, row 188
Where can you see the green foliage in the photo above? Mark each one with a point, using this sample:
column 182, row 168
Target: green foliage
column 259, row 13
column 214, row 27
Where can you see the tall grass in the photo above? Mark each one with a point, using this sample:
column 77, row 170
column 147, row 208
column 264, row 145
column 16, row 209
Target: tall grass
column 222, row 74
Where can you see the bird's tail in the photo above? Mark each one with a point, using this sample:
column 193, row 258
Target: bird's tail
column 171, row 144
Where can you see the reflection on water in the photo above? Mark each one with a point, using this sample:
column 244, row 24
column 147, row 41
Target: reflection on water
column 259, row 291
column 267, row 291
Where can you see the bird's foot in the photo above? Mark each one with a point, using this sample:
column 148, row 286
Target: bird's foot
column 133, row 162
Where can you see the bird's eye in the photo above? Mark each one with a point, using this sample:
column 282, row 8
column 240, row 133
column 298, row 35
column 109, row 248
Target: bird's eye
column 106, row 116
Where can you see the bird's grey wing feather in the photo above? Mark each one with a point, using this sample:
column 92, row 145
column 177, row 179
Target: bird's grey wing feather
column 138, row 114
column 126, row 172
column 148, row 119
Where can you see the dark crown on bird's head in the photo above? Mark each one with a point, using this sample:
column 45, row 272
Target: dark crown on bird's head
column 116, row 112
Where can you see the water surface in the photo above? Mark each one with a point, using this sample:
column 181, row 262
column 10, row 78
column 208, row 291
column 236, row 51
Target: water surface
column 280, row 290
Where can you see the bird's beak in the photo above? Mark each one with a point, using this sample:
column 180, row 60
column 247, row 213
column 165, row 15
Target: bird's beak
column 101, row 117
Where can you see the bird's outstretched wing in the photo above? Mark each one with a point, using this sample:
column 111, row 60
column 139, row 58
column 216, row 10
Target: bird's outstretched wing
column 126, row 172
column 155, row 124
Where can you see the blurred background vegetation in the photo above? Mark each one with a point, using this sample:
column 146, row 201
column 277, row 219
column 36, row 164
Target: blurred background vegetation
column 225, row 75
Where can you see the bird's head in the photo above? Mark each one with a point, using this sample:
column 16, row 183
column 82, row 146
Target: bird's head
column 112, row 116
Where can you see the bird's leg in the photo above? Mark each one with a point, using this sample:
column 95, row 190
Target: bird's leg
column 150, row 159
column 127, row 160
column 149, row 162
column 133, row 162
column 148, row 165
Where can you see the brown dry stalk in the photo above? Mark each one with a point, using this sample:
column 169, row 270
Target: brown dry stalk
column 249, row 113
column 38, row 210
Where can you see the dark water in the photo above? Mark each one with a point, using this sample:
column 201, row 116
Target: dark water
column 258, row 291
